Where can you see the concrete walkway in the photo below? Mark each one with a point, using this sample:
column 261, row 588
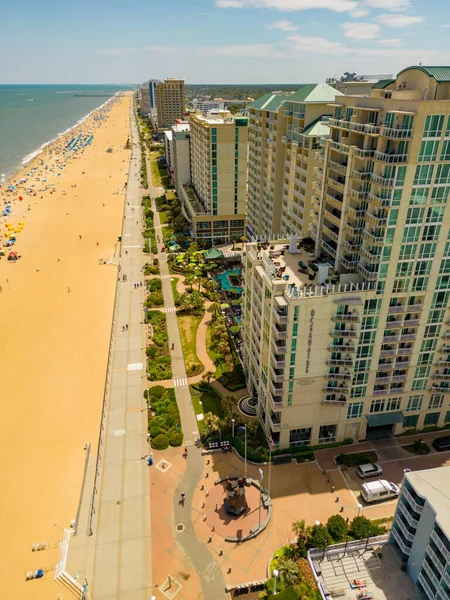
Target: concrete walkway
column 121, row 566
column 213, row 583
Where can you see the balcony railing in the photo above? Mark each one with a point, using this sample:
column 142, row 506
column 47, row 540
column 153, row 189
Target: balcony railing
column 383, row 392
column 396, row 134
column 278, row 377
column 377, row 221
column 408, row 337
column 339, row 401
column 338, row 376
column 388, row 352
column 408, row 535
column 339, row 147
column 369, row 275
column 337, row 166
column 361, row 153
column 342, row 389
column 280, row 318
column 352, row 248
column 340, row 362
column 394, row 324
column 373, row 239
column 381, row 181
column 337, row 185
column 353, row 317
column 391, row 158
column 352, row 230
column 410, row 500
column 342, row 347
column 348, row 264
column 278, row 364
column 333, row 201
column 441, row 376
column 379, row 201
column 357, row 194
column 405, row 512
column 403, row 547
column 327, row 247
column 279, row 334
column 360, row 175
column 390, row 339
column 273, row 425
column 397, row 309
column 274, row 405
column 344, row 333
column 369, row 256
column 355, row 213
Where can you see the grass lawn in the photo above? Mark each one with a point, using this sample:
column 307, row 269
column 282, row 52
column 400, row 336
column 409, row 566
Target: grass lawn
column 208, row 402
column 173, row 283
column 167, row 233
column 213, row 355
column 171, row 195
column 188, row 325
column 156, row 175
column 163, row 217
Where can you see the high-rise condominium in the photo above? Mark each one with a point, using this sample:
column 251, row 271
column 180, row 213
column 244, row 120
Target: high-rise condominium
column 350, row 336
column 170, row 102
column 284, row 133
column 216, row 199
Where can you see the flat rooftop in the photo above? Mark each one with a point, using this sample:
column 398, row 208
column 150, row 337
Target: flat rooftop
column 374, row 564
column 434, row 485
column 286, row 266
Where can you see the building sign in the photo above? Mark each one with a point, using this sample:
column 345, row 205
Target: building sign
column 308, row 348
column 305, row 381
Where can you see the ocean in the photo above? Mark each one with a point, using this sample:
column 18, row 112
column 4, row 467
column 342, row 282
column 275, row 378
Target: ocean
column 31, row 115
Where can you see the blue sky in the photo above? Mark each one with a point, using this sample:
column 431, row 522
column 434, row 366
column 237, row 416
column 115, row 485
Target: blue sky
column 217, row 41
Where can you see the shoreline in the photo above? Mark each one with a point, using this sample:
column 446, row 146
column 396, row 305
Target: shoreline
column 58, row 302
column 4, row 181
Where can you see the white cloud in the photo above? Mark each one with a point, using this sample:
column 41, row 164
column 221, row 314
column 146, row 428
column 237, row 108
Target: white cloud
column 290, row 5
column 313, row 45
column 283, row 25
column 399, row 20
column 361, row 31
column 392, row 5
column 359, row 12
column 447, row 25
column 393, row 43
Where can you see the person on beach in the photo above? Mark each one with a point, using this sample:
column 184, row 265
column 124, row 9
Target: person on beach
column 79, row 237
column 68, row 290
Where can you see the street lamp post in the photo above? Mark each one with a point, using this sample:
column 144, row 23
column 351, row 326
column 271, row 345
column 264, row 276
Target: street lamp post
column 359, row 508
column 261, row 475
column 275, row 575
column 244, row 427
column 232, row 427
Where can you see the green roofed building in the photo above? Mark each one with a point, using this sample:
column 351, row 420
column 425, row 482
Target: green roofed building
column 284, row 135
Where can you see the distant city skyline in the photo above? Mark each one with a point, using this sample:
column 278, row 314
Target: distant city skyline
column 218, row 41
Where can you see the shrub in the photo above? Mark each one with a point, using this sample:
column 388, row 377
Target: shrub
column 155, row 285
column 160, row 338
column 160, row 442
column 151, row 351
column 157, row 392
column 361, row 527
column 154, row 429
column 337, row 527
column 176, row 438
column 320, row 537
column 356, row 458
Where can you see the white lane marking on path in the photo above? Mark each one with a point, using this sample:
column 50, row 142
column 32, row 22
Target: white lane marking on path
column 127, row 235
column 165, row 276
column 170, row 309
column 133, row 246
column 119, row 432
column 135, row 366
column 180, row 382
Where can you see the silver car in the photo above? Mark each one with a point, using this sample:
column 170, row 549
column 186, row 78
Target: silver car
column 369, row 470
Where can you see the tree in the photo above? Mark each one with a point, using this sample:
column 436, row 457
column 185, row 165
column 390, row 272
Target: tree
column 212, row 422
column 207, row 376
column 289, row 571
column 228, row 403
column 189, row 280
column 215, row 310
column 361, row 527
column 337, row 526
column 301, row 532
column 320, row 537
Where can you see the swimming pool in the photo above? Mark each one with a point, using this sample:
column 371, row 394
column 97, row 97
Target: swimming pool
column 224, row 280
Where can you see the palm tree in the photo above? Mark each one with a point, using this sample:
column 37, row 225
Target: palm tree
column 289, row 571
column 302, row 532
column 215, row 309
column 212, row 422
column 228, row 403
column 222, row 348
column 189, row 280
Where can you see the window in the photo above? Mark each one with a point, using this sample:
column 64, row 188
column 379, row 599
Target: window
column 423, row 267
column 436, row 401
column 447, row 417
column 445, row 266
column 440, row 300
column 428, row 151
column 423, row 174
column 410, row 421
column 427, row 250
column 443, row 282
column 377, row 405
column 445, row 152
column 439, row 195
column 358, row 391
column 435, row 214
column 372, row 307
column 443, row 174
column 411, row 234
column 419, row 196
column 404, row 269
column 393, row 403
column 431, row 419
column 407, row 251
column 433, row 126
column 419, row 284
column 414, row 402
column 354, row 410
column 369, row 323
column 431, row 232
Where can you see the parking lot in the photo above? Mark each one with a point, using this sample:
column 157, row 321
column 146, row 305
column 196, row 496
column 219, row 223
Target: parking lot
column 393, row 458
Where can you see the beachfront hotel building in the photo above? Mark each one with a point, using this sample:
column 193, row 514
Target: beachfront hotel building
column 152, row 92
column 421, row 530
column 180, row 165
column 215, row 200
column 170, row 102
column 144, row 99
column 359, row 345
column 284, row 134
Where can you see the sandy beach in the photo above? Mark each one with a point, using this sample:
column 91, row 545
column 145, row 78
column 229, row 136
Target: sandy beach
column 54, row 342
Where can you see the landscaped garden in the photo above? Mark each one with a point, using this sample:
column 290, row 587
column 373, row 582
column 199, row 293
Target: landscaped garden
column 149, row 232
column 155, row 297
column 164, row 424
column 188, row 326
column 159, row 365
column 295, row 578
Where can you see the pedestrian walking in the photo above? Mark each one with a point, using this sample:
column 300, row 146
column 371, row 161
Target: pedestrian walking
column 140, row 284
column 126, row 252
column 97, row 243
column 79, row 237
column 126, row 327
column 183, row 498
column 68, row 290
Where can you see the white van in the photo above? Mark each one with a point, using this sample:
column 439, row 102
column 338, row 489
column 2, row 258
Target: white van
column 375, row 491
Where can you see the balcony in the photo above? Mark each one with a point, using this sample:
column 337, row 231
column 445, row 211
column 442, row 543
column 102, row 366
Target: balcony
column 397, row 537
column 338, row 376
column 347, row 263
column 405, row 512
column 343, row 388
column 446, row 335
column 276, row 389
column 396, row 134
column 407, row 534
column 275, row 426
column 445, row 350
column 407, row 337
column 279, row 334
column 388, row 352
column 350, row 317
column 369, row 275
column 355, row 213
column 442, row 547
column 333, row 218
column 328, row 248
column 380, row 221
column 382, row 380
column 333, row 201
column 386, row 182
column 341, row 123
column 391, row 158
column 353, row 230
column 338, row 167
column 339, row 147
column 441, row 376
column 390, row 339
column 383, row 392
column 379, row 201
column 429, row 571
column 429, row 593
column 404, row 351
column 341, row 400
column 360, row 175
column 415, row 307
column 274, row 404
column 410, row 500
column 443, row 363
column 337, row 185
column 281, row 319
column 373, row 239
column 412, row 322
column 344, row 333
column 277, row 363
column 350, row 247
column 347, row 347
column 330, row 233
column 357, row 194
column 369, row 256
column 278, row 348
column 340, row 362
column 394, row 324
column 277, row 376
column 399, row 378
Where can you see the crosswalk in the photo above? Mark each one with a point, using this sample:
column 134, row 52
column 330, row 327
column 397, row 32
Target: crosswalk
column 165, row 276
column 180, row 382
column 168, row 309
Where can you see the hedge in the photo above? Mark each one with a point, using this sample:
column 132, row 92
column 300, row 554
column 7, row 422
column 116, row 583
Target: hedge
column 176, row 439
column 160, row 442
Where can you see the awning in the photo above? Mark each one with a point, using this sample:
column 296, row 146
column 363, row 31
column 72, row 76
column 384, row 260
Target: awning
column 281, row 300
column 213, row 254
column 390, row 418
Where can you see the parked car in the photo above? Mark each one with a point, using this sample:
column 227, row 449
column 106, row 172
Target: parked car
column 376, row 491
column 369, row 470
column 442, row 443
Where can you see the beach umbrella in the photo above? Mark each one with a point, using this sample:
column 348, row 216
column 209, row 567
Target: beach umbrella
column 20, row 198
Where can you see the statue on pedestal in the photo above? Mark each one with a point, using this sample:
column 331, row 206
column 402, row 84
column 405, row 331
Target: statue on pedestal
column 235, row 502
